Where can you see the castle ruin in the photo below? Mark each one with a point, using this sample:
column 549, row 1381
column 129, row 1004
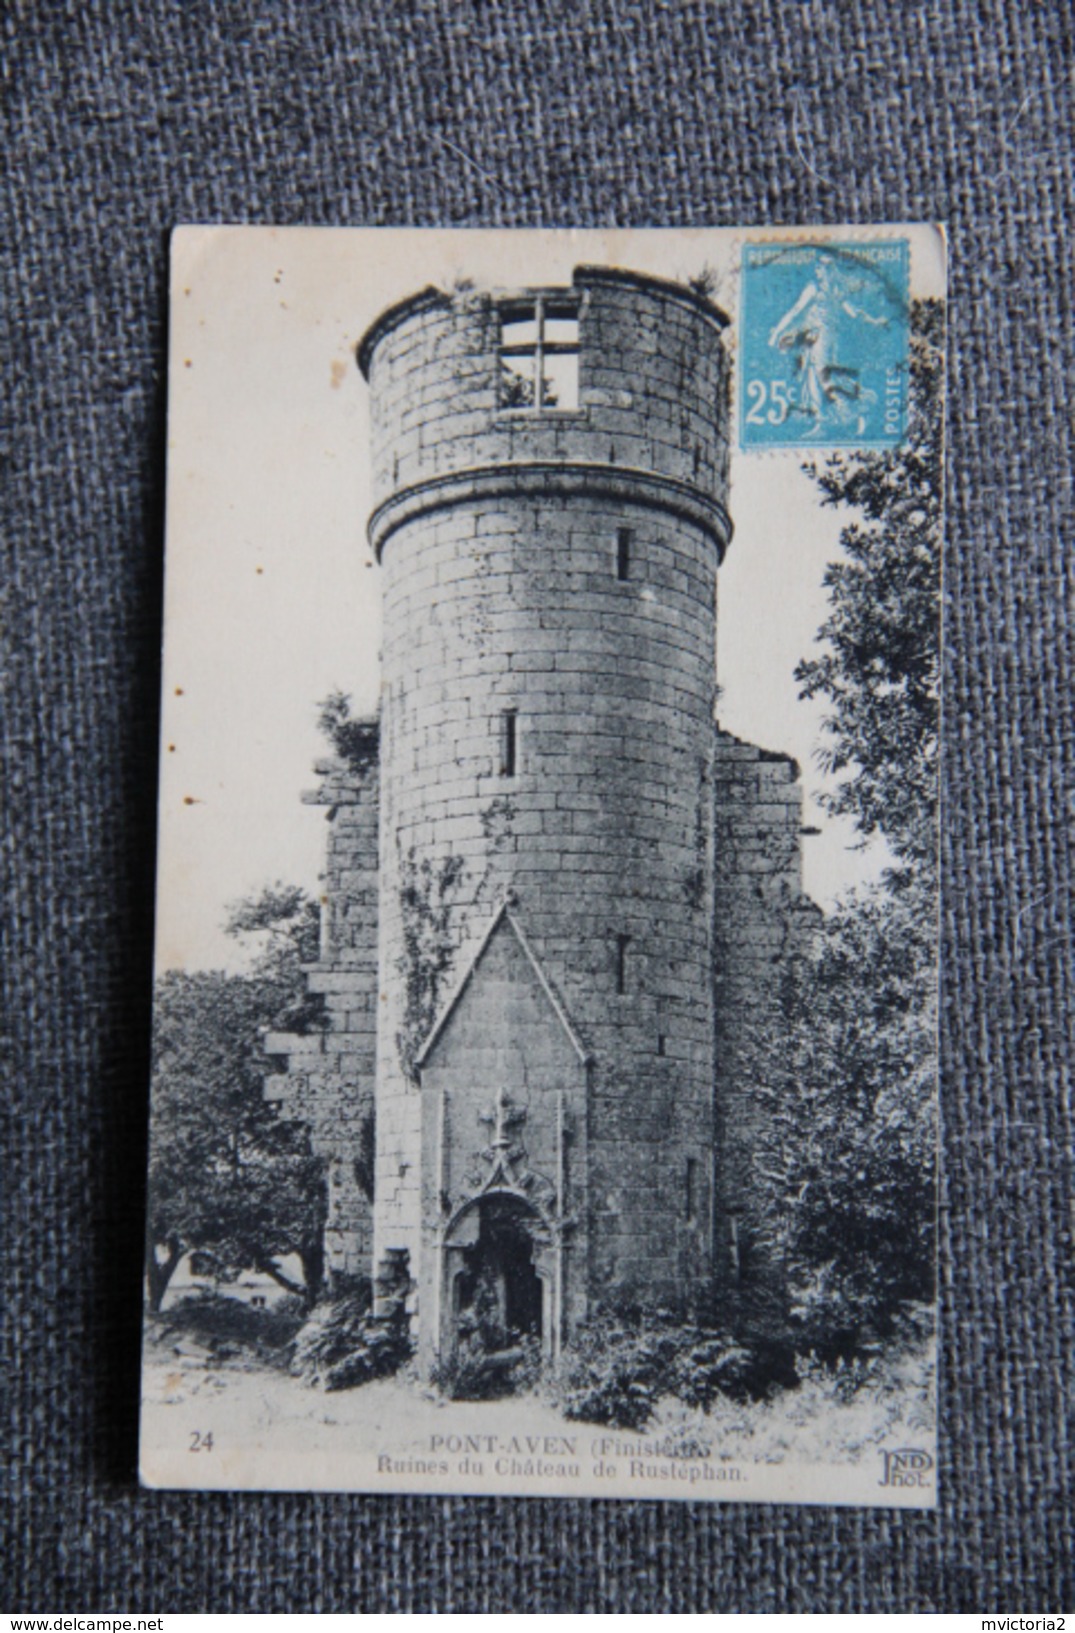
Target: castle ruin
column 556, row 891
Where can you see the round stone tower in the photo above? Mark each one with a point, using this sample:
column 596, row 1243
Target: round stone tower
column 550, row 480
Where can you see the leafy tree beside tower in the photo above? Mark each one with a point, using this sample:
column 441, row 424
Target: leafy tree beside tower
column 229, row 1179
column 849, row 1153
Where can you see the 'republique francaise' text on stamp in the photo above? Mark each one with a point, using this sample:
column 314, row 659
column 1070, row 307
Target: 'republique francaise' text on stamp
column 544, row 1100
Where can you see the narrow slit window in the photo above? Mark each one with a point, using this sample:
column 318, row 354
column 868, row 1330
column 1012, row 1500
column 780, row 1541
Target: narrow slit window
column 660, row 1043
column 509, row 742
column 692, row 1190
column 622, row 944
column 623, row 554
column 539, row 356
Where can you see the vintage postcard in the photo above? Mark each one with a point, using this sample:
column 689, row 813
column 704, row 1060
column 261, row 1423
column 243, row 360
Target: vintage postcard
column 544, row 1082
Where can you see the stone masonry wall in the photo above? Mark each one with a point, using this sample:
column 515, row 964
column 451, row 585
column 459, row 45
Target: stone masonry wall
column 329, row 1082
column 762, row 920
column 510, row 599
column 603, row 831
column 653, row 385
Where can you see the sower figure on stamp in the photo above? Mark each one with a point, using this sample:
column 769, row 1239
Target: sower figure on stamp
column 810, row 331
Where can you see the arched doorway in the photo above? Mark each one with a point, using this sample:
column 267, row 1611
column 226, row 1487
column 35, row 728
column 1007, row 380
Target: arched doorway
column 498, row 1290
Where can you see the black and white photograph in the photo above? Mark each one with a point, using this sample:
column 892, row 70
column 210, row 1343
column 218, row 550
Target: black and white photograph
column 544, row 1067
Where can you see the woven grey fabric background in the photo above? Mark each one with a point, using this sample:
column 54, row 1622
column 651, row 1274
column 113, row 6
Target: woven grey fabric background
column 121, row 120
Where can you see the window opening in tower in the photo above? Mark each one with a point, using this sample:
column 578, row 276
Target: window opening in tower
column 508, row 742
column 692, row 1190
column 539, row 356
column 622, row 943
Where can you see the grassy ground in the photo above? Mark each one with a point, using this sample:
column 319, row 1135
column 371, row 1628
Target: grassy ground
column 211, row 1364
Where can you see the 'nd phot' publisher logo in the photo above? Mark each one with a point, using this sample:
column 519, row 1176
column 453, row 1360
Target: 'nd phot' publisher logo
column 909, row 1467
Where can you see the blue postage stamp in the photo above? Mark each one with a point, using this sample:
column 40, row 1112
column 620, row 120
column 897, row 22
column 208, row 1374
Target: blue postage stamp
column 823, row 344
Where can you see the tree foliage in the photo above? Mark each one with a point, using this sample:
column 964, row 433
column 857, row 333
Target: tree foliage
column 849, row 1156
column 355, row 738
column 285, row 926
column 849, row 1148
column 879, row 668
column 229, row 1178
